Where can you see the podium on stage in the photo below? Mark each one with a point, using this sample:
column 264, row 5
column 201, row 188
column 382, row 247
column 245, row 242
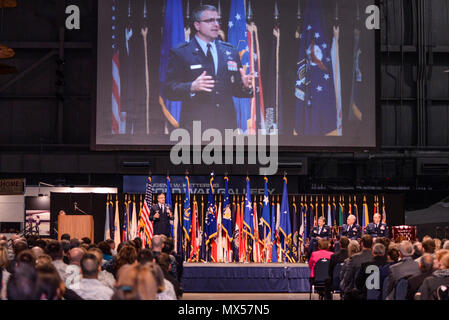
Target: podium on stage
column 77, row 226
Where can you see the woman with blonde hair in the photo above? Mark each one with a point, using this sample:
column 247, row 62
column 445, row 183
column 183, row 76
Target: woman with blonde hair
column 135, row 282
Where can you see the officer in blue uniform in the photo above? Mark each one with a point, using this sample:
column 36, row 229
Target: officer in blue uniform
column 322, row 231
column 351, row 229
column 377, row 228
column 205, row 74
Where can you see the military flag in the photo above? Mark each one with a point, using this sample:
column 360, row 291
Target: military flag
column 257, row 102
column 107, row 224
column 248, row 219
column 194, row 236
column 273, row 110
column 173, row 34
column 316, row 108
column 125, row 231
column 265, row 220
column 187, row 222
column 355, row 112
column 116, row 92
column 211, row 223
column 285, row 230
column 365, row 213
column 133, row 227
column 227, row 222
column 147, row 203
column 117, row 232
column 238, row 37
column 274, row 232
column 169, row 201
column 295, row 232
column 340, row 212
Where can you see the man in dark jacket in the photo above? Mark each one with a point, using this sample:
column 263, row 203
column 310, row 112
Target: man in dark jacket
column 338, row 257
column 405, row 268
column 205, row 74
column 379, row 259
column 161, row 214
column 415, row 282
column 439, row 277
column 355, row 262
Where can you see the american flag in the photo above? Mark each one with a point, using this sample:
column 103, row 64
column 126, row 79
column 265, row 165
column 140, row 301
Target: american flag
column 116, row 107
column 148, row 225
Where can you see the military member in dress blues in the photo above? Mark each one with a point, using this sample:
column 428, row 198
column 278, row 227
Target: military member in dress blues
column 205, row 74
column 377, row 228
column 351, row 230
column 320, row 232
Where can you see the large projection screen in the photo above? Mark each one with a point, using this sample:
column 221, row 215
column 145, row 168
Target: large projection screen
column 313, row 64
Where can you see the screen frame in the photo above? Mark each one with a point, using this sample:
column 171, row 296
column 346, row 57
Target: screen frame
column 281, row 148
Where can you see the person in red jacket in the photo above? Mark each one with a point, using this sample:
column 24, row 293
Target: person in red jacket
column 323, row 252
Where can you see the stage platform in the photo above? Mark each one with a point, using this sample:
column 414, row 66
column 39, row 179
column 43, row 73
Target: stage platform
column 246, row 277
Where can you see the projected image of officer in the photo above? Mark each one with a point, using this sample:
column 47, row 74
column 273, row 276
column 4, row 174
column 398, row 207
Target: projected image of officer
column 205, row 74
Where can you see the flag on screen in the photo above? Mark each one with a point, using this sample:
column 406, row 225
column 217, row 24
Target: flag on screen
column 211, row 223
column 173, row 34
column 335, row 53
column 316, row 112
column 273, row 110
column 285, row 230
column 238, row 37
column 257, row 102
column 116, row 104
column 355, row 112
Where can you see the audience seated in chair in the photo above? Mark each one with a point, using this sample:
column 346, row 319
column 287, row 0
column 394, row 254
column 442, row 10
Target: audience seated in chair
column 406, row 267
column 438, row 278
column 415, row 282
column 379, row 259
column 355, row 262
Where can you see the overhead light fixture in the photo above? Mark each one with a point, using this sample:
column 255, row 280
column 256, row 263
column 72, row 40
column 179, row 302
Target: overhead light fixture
column 44, row 184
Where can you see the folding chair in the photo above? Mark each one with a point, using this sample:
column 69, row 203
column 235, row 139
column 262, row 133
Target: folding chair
column 321, row 272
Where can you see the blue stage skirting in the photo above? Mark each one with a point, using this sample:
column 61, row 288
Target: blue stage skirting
column 238, row 277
